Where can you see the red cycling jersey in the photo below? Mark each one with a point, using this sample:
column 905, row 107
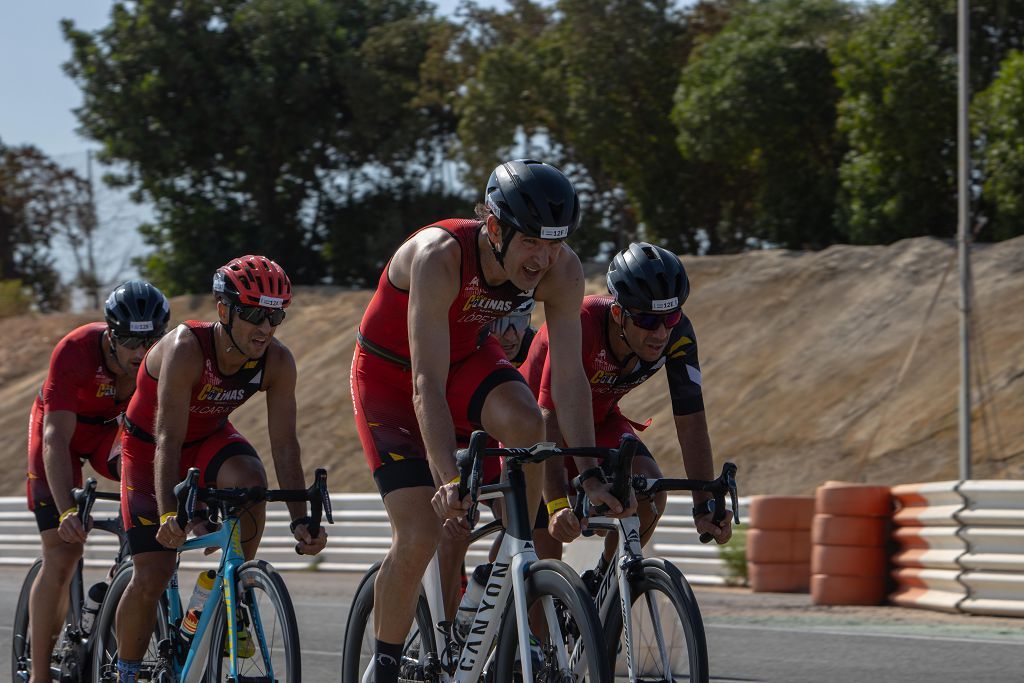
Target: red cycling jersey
column 214, row 396
column 385, row 325
column 608, row 384
column 80, row 382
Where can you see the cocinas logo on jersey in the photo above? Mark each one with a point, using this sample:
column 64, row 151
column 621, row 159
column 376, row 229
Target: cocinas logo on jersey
column 209, row 392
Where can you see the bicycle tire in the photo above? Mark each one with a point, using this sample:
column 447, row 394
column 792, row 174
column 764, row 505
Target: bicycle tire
column 359, row 639
column 555, row 579
column 252, row 577
column 104, row 636
column 21, row 641
column 661, row 577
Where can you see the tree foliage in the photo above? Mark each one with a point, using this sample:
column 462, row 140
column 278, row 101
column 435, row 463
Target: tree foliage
column 233, row 115
column 41, row 202
column 758, row 101
column 999, row 120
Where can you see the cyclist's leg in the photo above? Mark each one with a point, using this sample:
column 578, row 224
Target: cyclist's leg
column 48, row 601
column 499, row 400
column 649, row 508
column 152, row 563
column 227, row 460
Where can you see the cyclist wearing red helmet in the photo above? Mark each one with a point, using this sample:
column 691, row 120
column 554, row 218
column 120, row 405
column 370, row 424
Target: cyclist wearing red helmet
column 75, row 419
column 417, row 384
column 188, row 386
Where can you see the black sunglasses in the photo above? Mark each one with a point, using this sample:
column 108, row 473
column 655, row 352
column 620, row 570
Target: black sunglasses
column 132, row 342
column 652, row 321
column 257, row 314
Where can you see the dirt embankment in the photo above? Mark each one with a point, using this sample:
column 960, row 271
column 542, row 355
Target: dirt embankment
column 800, row 354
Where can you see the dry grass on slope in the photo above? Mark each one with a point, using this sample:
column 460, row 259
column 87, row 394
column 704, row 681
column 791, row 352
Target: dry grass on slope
column 799, row 351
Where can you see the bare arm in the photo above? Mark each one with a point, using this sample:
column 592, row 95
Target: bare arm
column 284, row 441
column 555, row 484
column 695, row 446
column 434, row 282
column 695, row 443
column 181, row 363
column 58, row 428
column 281, row 417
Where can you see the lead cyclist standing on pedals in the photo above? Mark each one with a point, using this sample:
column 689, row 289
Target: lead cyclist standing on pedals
column 627, row 338
column 75, row 418
column 189, row 384
column 417, row 382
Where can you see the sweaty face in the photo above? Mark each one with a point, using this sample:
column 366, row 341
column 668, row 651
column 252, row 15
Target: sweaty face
column 510, row 339
column 528, row 258
column 649, row 345
column 130, row 359
column 252, row 340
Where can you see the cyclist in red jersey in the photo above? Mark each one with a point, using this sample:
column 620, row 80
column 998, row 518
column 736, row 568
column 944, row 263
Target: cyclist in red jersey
column 417, row 384
column 189, row 384
column 627, row 338
column 75, row 418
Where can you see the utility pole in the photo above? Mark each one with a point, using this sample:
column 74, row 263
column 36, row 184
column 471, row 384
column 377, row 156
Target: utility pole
column 963, row 229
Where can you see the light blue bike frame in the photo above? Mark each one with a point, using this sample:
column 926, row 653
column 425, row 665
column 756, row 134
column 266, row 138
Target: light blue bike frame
column 228, row 538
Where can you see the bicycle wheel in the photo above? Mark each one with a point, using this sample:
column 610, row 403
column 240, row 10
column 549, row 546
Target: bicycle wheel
column 360, row 640
column 677, row 651
column 104, row 635
column 572, row 649
column 266, row 617
column 21, row 643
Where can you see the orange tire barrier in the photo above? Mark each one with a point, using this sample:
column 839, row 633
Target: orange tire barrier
column 855, row 531
column 779, row 577
column 780, row 513
column 849, row 560
column 769, row 546
column 840, row 560
column 779, row 543
column 855, row 500
column 846, row 590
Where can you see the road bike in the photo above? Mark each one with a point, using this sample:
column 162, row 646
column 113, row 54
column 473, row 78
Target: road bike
column 499, row 645
column 248, row 602
column 71, row 657
column 653, row 629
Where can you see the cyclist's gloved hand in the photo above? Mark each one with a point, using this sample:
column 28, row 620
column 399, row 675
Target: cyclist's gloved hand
column 447, row 504
column 564, row 527
column 169, row 534
column 71, row 529
column 307, row 544
column 722, row 531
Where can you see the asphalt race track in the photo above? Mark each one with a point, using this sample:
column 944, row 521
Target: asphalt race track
column 751, row 637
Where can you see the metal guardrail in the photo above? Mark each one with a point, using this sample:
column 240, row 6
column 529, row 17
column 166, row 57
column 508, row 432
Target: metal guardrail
column 359, row 537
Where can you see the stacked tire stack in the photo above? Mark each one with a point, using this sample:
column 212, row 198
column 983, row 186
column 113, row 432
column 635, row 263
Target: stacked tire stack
column 779, row 543
column 850, row 537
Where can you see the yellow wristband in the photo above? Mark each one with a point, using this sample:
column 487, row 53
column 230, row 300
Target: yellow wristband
column 166, row 516
column 73, row 510
column 556, row 505
column 456, row 480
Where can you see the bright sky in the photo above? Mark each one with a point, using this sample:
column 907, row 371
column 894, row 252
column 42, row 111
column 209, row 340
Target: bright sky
column 36, row 98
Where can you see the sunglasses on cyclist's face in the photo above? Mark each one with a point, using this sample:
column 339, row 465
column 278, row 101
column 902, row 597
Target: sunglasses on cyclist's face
column 652, row 321
column 517, row 322
column 132, row 342
column 257, row 314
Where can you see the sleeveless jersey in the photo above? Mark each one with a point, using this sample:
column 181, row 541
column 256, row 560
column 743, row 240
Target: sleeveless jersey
column 214, row 396
column 607, row 384
column 386, row 321
column 79, row 380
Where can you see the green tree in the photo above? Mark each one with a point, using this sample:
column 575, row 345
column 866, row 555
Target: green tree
column 757, row 103
column 898, row 76
column 40, row 202
column 998, row 115
column 236, row 117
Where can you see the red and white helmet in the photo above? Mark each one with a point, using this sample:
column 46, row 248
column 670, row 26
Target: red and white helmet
column 252, row 281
